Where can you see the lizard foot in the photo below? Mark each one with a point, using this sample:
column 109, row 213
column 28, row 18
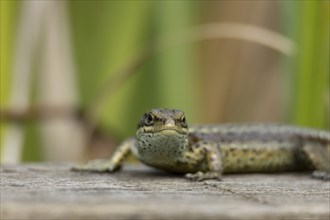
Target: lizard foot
column 200, row 176
column 323, row 175
column 98, row 166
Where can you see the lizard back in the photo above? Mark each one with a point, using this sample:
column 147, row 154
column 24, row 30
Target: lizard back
column 261, row 147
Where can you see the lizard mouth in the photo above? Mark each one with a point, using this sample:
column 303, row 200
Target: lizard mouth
column 171, row 130
column 165, row 130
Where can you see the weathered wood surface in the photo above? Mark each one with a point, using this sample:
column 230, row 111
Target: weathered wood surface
column 51, row 191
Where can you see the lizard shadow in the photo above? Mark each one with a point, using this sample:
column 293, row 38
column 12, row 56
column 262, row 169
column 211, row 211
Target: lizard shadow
column 142, row 171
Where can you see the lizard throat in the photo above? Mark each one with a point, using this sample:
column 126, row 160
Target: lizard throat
column 160, row 149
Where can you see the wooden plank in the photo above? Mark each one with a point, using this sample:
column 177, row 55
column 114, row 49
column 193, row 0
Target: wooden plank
column 51, row 191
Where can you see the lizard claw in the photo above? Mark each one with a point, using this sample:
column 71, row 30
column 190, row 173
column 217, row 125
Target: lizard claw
column 200, row 176
column 98, row 166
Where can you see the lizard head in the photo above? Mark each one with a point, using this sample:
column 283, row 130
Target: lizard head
column 162, row 136
column 164, row 121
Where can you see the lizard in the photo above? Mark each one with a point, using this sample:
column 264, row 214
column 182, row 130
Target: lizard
column 164, row 141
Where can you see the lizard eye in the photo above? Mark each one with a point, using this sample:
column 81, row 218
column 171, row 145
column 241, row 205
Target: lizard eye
column 183, row 121
column 149, row 119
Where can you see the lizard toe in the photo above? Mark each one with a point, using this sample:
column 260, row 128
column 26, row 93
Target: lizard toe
column 98, row 166
column 200, row 176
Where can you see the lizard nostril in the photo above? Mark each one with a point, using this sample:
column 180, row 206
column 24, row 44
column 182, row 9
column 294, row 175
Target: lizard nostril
column 169, row 122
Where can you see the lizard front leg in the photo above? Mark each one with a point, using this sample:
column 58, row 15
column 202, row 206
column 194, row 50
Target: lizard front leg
column 109, row 165
column 207, row 157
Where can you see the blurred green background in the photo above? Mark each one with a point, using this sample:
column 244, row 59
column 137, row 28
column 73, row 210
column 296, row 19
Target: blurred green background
column 77, row 75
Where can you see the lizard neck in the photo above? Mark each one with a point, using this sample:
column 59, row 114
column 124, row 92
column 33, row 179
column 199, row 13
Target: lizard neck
column 161, row 149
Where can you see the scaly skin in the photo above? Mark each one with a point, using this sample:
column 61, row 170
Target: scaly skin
column 164, row 141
